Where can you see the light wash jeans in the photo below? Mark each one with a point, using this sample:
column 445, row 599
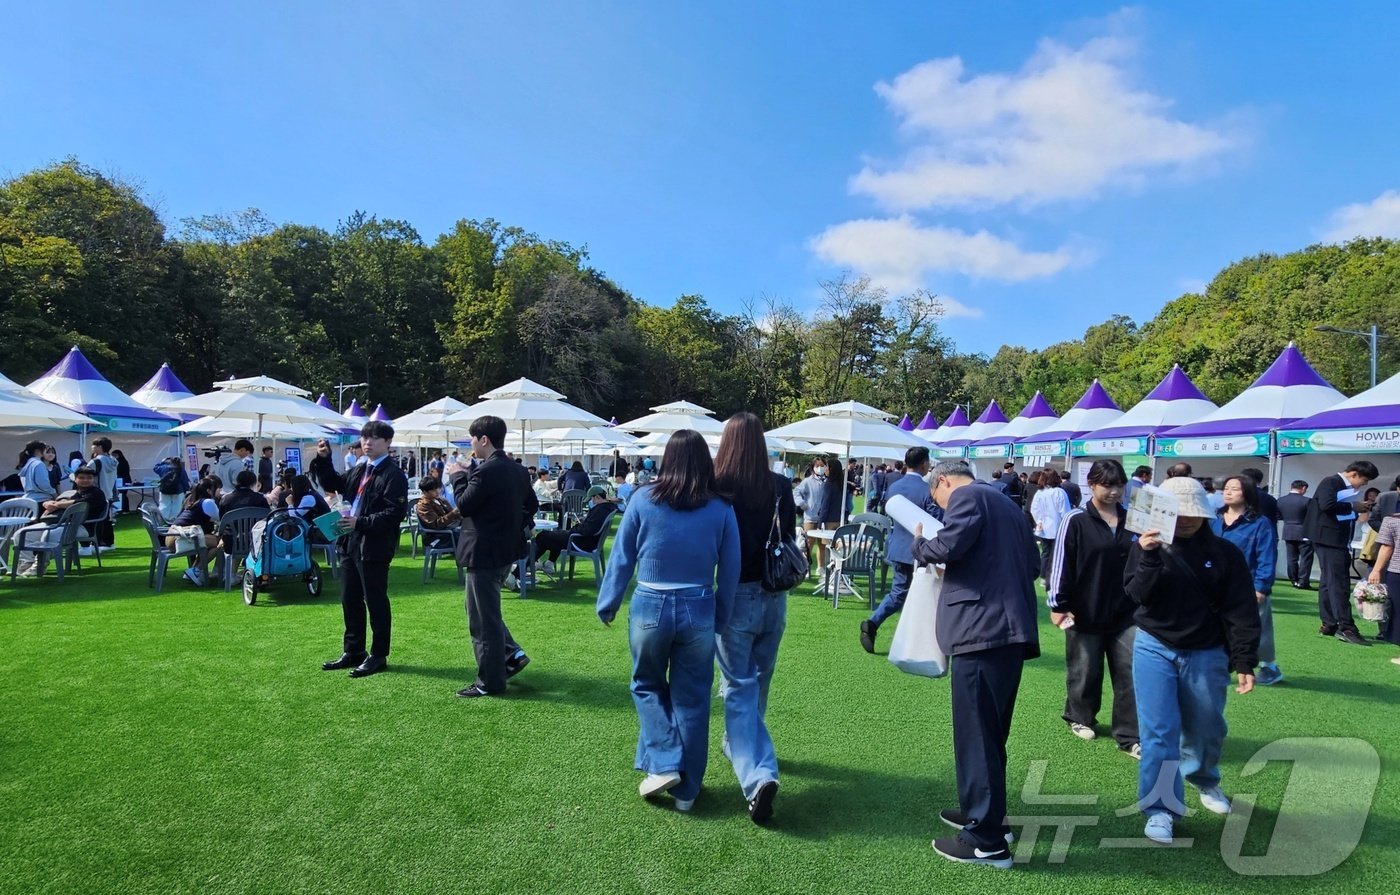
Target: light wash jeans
column 672, row 634
column 1181, row 720
column 748, row 650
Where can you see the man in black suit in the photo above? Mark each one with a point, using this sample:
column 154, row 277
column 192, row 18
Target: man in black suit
column 1072, row 490
column 497, row 504
column 1330, row 523
column 265, row 470
column 987, row 624
column 1293, row 510
column 377, row 491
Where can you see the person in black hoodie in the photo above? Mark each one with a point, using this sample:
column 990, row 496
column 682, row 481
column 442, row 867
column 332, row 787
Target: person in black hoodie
column 1196, row 618
column 1088, row 603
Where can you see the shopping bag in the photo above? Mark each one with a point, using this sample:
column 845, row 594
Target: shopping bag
column 915, row 649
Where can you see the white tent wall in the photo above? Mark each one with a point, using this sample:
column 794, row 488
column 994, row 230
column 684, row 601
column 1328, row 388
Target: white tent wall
column 142, row 451
column 1313, row 468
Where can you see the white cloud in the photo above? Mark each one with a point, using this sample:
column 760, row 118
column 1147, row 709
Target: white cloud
column 1065, row 126
column 897, row 253
column 1379, row 217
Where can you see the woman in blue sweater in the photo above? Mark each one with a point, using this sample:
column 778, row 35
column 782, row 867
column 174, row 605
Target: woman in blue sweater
column 682, row 543
column 1240, row 523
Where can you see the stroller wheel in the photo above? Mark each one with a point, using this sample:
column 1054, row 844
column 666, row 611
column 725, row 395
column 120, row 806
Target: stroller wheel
column 313, row 581
column 250, row 587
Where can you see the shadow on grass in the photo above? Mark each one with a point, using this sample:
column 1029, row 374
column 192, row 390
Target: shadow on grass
column 540, row 685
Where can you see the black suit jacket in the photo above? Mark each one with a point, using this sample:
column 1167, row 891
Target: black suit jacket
column 1293, row 510
column 382, row 507
column 988, row 597
column 1323, row 527
column 496, row 503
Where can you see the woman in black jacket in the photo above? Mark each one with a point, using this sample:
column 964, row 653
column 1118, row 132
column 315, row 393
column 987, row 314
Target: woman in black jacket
column 1088, row 602
column 1196, row 618
column 748, row 644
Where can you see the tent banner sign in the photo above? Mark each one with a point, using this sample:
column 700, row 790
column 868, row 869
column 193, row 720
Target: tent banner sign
column 1108, row 447
column 1042, row 449
column 948, row 453
column 987, row 451
column 1341, row 441
column 128, row 424
column 1214, row 446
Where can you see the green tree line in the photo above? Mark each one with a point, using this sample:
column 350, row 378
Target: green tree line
column 85, row 260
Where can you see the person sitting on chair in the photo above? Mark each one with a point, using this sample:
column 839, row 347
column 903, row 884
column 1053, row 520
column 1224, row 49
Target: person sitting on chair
column 85, row 490
column 243, row 494
column 435, row 515
column 586, row 533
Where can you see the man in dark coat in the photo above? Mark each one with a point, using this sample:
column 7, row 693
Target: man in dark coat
column 497, row 505
column 987, row 625
column 1330, row 523
column 377, row 491
column 1293, row 509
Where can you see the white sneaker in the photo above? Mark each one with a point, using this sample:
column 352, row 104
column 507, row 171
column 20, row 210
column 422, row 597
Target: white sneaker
column 108, row 548
column 86, row 550
column 1159, row 829
column 548, row 567
column 511, row 583
column 684, row 804
column 29, row 571
column 1082, row 731
column 193, row 577
column 654, row 784
column 1215, row 801
column 1134, row 751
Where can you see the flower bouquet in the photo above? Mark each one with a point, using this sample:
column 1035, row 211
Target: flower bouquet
column 1371, row 600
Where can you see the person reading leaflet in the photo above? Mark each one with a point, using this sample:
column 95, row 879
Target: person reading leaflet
column 1153, row 509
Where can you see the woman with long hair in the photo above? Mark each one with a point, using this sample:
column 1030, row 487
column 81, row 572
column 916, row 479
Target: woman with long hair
column 198, row 520
column 1048, row 507
column 821, row 494
column 1241, row 523
column 51, row 464
column 34, row 475
column 681, row 540
column 748, row 645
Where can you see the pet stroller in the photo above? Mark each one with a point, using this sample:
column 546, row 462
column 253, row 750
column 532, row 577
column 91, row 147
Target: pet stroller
column 284, row 551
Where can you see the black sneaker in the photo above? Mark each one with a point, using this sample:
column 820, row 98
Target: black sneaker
column 1327, row 630
column 955, row 849
column 1352, row 636
column 516, row 664
column 958, row 821
column 868, row 629
column 761, row 805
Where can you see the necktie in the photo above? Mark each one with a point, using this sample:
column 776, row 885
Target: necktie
column 360, row 492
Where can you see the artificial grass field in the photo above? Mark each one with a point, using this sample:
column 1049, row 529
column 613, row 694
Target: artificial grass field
column 185, row 742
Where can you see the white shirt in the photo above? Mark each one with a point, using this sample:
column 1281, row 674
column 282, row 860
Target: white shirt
column 1047, row 507
column 355, row 507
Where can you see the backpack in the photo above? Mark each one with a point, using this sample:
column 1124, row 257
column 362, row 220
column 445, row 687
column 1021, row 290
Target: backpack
column 170, row 483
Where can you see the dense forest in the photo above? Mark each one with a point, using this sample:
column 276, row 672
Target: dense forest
column 85, row 260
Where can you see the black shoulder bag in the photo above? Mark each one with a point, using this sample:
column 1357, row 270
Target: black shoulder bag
column 784, row 566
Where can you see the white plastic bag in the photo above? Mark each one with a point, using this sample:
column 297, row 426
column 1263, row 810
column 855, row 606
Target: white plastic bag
column 915, row 649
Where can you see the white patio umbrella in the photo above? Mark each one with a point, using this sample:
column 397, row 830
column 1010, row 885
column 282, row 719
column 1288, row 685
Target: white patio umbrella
column 674, row 417
column 525, row 406
column 216, row 427
column 264, row 406
column 262, row 384
column 19, row 410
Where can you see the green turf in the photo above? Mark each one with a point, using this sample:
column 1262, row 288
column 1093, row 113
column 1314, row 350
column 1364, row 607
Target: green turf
column 184, row 742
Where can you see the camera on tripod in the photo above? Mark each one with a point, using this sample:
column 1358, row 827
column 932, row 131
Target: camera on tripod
column 215, row 453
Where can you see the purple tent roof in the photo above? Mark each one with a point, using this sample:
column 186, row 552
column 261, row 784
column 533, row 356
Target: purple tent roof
column 958, row 418
column 612, row 422
column 928, row 422
column 165, row 380
column 76, row 366
column 356, row 410
column 906, row 423
column 1291, row 368
column 325, row 402
column 1289, row 390
column 992, row 414
column 1096, row 399
column 1176, row 386
column 1036, row 408
column 91, row 392
column 380, row 415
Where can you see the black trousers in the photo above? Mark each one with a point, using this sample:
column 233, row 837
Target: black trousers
column 1085, row 655
column 365, row 586
column 1334, row 587
column 1300, row 561
column 1047, row 557
column 551, row 543
column 984, row 696
column 492, row 643
column 1390, row 628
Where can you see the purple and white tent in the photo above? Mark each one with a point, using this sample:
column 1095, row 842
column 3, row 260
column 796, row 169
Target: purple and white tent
column 325, row 402
column 162, row 388
column 928, row 424
column 1094, row 410
column 991, row 421
column 75, row 383
column 955, row 426
column 906, row 423
column 380, row 415
column 1287, row 392
column 356, row 413
column 1174, row 402
column 1036, row 416
column 1368, row 423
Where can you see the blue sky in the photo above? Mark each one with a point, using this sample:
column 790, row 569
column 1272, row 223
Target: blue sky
column 1040, row 165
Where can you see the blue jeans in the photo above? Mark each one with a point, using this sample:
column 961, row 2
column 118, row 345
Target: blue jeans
column 672, row 634
column 748, row 650
column 899, row 590
column 1181, row 720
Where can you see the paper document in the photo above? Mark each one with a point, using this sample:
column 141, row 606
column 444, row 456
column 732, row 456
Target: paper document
column 907, row 515
column 329, row 524
column 1153, row 509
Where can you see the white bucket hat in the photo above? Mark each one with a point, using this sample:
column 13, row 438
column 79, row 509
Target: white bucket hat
column 1190, row 497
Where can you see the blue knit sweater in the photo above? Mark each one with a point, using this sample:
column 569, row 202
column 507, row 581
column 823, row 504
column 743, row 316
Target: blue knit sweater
column 657, row 543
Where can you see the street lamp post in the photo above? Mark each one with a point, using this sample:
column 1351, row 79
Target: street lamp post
column 341, row 388
column 1373, row 336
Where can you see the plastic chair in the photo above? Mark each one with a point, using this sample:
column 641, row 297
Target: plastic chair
column 236, row 539
column 23, row 511
column 572, row 549
column 885, row 524
column 447, row 547
column 161, row 554
column 411, row 525
column 571, row 507
column 64, row 551
column 858, row 550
